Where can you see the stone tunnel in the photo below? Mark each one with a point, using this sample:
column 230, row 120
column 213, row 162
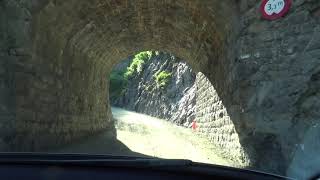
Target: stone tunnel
column 56, row 57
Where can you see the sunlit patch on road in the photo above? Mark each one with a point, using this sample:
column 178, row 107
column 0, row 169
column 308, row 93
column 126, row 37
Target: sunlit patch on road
column 159, row 138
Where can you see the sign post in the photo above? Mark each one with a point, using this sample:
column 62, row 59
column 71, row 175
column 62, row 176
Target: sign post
column 275, row 9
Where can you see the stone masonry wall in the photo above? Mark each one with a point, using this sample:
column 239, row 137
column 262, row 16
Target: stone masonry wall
column 14, row 29
column 215, row 124
column 278, row 67
column 59, row 53
column 44, row 100
column 276, row 89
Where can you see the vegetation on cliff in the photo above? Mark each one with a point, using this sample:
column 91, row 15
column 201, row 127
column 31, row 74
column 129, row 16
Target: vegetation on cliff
column 138, row 63
column 162, row 78
column 119, row 78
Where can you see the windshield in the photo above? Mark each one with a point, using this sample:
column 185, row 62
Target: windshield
column 233, row 83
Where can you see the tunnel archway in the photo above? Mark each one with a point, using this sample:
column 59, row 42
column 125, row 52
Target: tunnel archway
column 76, row 43
column 95, row 36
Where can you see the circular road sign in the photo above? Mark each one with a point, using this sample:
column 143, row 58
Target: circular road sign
column 275, row 9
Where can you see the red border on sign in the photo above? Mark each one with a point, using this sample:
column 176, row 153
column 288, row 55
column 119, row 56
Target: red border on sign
column 275, row 16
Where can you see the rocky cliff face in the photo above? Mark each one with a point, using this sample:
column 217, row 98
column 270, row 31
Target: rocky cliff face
column 174, row 101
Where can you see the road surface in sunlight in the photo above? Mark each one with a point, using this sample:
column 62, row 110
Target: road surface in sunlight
column 159, row 138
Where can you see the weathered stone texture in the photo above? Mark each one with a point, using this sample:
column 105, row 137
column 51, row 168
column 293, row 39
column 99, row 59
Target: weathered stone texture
column 277, row 63
column 58, row 53
column 215, row 122
column 44, row 102
column 14, row 38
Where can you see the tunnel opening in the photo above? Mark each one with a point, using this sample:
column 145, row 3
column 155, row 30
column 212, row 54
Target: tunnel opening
column 155, row 83
column 158, row 84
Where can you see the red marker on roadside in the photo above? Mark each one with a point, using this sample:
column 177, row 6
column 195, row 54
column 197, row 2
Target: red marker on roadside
column 194, row 125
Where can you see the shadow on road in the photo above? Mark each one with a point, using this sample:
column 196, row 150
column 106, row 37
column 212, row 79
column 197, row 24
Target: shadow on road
column 104, row 143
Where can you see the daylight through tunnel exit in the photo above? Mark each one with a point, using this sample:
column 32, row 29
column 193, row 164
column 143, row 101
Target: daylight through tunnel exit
column 157, row 84
column 165, row 109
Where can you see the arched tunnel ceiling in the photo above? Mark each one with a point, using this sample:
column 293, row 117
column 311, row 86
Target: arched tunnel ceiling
column 112, row 30
column 78, row 43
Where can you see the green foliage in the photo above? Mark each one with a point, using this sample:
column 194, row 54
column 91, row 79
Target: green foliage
column 119, row 79
column 138, row 63
column 162, row 78
column 118, row 83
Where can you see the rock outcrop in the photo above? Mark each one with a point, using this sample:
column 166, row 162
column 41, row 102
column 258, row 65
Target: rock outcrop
column 174, row 102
